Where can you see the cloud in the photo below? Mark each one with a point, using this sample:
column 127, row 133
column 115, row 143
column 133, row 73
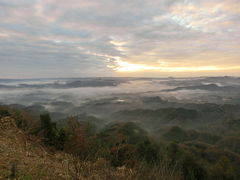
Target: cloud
column 88, row 38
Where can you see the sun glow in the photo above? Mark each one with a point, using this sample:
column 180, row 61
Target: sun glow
column 123, row 66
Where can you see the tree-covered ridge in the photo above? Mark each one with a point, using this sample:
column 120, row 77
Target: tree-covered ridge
column 207, row 150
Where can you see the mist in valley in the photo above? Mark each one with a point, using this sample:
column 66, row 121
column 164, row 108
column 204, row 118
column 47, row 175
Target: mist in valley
column 108, row 98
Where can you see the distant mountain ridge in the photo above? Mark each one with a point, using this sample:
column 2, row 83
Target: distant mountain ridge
column 207, row 87
column 88, row 82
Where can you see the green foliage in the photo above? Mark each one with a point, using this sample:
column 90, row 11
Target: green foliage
column 180, row 113
column 208, row 137
column 129, row 144
column 154, row 118
column 191, row 169
column 173, row 153
column 186, row 162
column 230, row 143
column 61, row 139
column 82, row 140
column 52, row 136
column 223, row 170
column 48, row 129
column 4, row 112
column 233, row 124
column 179, row 135
column 199, row 153
column 123, row 154
column 149, row 152
column 193, row 153
column 123, row 133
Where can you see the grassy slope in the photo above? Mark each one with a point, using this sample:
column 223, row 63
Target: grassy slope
column 35, row 162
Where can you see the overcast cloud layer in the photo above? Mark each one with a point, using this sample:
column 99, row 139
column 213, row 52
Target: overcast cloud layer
column 59, row 38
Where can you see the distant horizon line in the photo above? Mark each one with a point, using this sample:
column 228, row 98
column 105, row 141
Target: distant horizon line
column 147, row 77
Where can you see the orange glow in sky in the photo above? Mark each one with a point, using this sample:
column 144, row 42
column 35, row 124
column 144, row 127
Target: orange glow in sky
column 123, row 66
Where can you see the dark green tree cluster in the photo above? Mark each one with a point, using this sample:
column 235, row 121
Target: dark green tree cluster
column 185, row 161
column 4, row 113
column 51, row 135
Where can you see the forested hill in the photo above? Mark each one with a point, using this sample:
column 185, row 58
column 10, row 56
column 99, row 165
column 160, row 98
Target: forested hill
column 36, row 147
column 30, row 153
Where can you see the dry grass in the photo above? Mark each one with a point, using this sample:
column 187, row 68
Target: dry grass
column 101, row 169
column 34, row 162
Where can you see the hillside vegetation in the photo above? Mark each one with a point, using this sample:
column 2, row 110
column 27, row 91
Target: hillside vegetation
column 30, row 153
column 198, row 143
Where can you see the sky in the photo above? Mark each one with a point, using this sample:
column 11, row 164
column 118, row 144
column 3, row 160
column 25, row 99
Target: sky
column 86, row 38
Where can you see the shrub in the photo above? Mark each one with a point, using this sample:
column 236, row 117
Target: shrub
column 48, row 129
column 4, row 112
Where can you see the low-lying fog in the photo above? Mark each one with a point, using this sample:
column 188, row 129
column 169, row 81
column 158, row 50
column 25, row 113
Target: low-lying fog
column 85, row 94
